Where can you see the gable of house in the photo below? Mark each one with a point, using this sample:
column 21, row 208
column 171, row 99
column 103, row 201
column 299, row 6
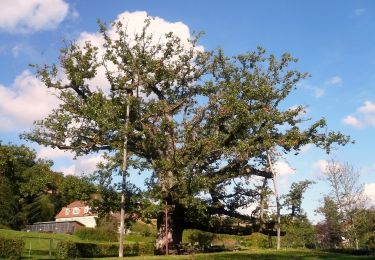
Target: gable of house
column 77, row 211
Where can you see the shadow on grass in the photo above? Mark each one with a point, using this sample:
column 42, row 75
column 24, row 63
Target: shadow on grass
column 280, row 256
column 256, row 255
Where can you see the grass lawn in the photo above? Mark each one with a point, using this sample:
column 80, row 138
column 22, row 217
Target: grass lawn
column 38, row 244
column 261, row 254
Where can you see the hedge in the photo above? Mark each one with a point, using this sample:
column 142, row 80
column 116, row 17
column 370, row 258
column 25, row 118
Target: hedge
column 11, row 248
column 97, row 234
column 69, row 250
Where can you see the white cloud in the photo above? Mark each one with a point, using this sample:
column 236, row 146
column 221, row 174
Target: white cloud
column 367, row 108
column 82, row 165
column 134, row 22
column 353, row 121
column 364, row 116
column 26, row 100
column 320, row 167
column 369, row 191
column 359, row 11
column 316, row 91
column 282, row 168
column 283, row 171
column 25, row 16
column 52, row 153
column 334, row 81
column 306, row 148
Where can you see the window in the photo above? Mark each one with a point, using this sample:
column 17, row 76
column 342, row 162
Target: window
column 86, row 210
column 67, row 211
column 75, row 211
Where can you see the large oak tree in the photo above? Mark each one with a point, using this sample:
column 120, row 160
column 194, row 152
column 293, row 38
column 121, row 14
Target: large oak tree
column 199, row 120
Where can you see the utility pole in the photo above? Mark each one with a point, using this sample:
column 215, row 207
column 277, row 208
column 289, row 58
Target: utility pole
column 166, row 228
column 277, row 200
column 123, row 184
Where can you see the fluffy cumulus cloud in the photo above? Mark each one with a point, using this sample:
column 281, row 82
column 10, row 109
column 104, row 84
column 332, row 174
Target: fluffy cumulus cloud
column 73, row 166
column 134, row 22
column 82, row 166
column 369, row 191
column 25, row 16
column 53, row 153
column 26, row 100
column 283, row 171
column 364, row 116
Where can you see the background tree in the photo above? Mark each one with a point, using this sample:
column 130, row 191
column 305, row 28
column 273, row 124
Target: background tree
column 198, row 120
column 30, row 191
column 329, row 232
column 347, row 193
column 293, row 200
column 299, row 230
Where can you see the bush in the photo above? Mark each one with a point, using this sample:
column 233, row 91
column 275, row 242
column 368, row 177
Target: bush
column 68, row 250
column 97, row 234
column 257, row 240
column 146, row 230
column 11, row 248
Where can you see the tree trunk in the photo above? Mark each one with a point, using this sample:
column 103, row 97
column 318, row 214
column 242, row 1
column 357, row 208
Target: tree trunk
column 175, row 229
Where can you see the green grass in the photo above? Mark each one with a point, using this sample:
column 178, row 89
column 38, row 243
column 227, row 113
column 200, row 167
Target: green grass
column 256, row 254
column 38, row 244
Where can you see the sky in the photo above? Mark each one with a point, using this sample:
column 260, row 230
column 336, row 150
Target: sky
column 333, row 40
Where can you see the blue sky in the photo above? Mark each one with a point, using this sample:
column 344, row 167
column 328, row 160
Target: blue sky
column 333, row 40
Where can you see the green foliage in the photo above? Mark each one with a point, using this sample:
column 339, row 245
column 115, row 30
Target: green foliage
column 204, row 239
column 30, row 191
column 299, row 233
column 293, row 200
column 197, row 119
column 11, row 248
column 97, row 234
column 68, row 250
column 329, row 232
column 257, row 240
column 146, row 230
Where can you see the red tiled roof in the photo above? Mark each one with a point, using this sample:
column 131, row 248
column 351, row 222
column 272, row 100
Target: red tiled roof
column 74, row 209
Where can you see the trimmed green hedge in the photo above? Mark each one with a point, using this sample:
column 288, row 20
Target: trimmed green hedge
column 68, row 250
column 11, row 248
column 97, row 234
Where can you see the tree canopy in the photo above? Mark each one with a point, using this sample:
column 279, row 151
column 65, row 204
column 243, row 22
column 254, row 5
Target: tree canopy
column 30, row 191
column 201, row 121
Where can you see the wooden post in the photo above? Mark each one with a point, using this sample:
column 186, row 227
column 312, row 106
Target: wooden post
column 166, row 228
column 50, row 246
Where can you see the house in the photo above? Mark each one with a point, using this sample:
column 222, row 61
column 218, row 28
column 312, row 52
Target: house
column 77, row 211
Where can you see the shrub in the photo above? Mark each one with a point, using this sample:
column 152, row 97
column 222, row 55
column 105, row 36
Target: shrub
column 143, row 229
column 11, row 248
column 68, row 250
column 97, row 234
column 257, row 240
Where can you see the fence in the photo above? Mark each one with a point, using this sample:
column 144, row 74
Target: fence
column 38, row 246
